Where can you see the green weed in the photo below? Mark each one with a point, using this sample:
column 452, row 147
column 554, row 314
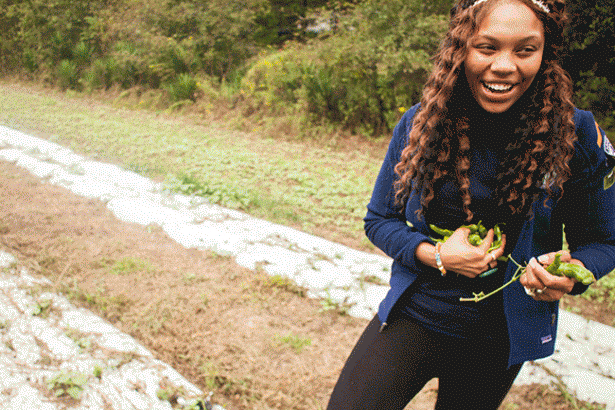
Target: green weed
column 42, row 308
column 285, row 284
column 328, row 304
column 295, row 342
column 110, row 305
column 79, row 338
column 67, row 383
column 170, row 394
column 603, row 291
column 129, row 265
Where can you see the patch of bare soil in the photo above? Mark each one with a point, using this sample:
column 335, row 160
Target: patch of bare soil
column 257, row 342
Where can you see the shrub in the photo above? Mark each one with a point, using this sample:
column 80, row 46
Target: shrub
column 358, row 78
column 184, row 87
column 82, row 54
column 100, row 74
column 274, row 80
column 68, row 75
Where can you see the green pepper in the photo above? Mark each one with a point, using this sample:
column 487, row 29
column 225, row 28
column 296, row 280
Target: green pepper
column 482, row 231
column 473, row 228
column 552, row 268
column 571, row 270
column 440, row 231
column 475, row 239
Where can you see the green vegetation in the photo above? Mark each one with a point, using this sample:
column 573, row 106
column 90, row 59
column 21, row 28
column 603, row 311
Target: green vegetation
column 67, row 383
column 307, row 65
column 42, row 308
column 130, row 265
column 297, row 343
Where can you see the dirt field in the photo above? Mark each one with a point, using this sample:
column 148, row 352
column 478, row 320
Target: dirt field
column 257, row 342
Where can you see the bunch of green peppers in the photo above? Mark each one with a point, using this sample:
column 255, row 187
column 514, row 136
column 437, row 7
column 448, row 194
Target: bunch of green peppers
column 559, row 268
column 477, row 234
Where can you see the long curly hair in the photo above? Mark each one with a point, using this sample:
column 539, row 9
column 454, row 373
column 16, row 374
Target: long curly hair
column 544, row 132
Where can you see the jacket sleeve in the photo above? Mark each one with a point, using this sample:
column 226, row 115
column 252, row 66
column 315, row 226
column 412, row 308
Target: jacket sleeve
column 386, row 225
column 590, row 215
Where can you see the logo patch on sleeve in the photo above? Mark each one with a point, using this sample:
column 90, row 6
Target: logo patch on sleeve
column 609, row 180
column 546, row 339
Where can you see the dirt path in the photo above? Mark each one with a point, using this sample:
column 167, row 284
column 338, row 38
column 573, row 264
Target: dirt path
column 256, row 341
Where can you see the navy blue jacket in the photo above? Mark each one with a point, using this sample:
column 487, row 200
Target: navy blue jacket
column 586, row 210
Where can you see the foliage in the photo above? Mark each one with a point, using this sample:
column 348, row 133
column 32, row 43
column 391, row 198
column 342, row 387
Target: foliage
column 215, row 192
column 590, row 56
column 364, row 64
column 67, row 383
column 184, row 87
column 67, row 75
column 359, row 77
column 603, row 291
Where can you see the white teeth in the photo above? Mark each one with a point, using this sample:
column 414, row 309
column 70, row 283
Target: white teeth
column 498, row 87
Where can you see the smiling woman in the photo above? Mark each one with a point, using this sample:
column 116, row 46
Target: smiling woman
column 497, row 142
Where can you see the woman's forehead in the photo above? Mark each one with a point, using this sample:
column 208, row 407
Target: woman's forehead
column 510, row 19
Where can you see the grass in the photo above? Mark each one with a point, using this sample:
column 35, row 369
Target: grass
column 296, row 343
column 130, row 265
column 319, row 187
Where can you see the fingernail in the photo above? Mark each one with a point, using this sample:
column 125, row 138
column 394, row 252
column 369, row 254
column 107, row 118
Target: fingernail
column 543, row 259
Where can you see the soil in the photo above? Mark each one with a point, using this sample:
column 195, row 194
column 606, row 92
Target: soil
column 257, row 343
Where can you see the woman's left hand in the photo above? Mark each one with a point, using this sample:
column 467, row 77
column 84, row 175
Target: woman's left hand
column 540, row 284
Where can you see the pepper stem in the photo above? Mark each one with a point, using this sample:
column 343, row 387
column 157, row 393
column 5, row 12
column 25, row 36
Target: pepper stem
column 481, row 296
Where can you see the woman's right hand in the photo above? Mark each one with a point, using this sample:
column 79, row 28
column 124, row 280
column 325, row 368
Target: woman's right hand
column 460, row 256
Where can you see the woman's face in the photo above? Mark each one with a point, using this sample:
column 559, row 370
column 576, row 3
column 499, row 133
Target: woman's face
column 504, row 55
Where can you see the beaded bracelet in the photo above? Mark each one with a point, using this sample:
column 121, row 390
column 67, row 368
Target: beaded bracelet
column 439, row 259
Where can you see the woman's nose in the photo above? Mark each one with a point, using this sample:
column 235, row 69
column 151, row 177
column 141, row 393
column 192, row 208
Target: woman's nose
column 503, row 63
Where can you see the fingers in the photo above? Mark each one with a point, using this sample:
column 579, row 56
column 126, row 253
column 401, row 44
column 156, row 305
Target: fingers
column 487, row 241
column 548, row 258
column 541, row 285
column 492, row 257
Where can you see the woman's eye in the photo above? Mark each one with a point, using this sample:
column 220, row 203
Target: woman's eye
column 526, row 50
column 485, row 47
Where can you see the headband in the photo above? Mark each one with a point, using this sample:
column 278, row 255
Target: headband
column 538, row 4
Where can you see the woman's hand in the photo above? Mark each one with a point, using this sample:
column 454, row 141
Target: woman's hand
column 540, row 284
column 460, row 256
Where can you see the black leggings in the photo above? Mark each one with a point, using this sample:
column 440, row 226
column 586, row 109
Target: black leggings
column 386, row 370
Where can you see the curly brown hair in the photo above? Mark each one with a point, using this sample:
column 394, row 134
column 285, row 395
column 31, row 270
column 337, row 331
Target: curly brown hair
column 544, row 131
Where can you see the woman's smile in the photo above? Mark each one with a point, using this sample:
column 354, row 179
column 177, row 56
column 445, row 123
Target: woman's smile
column 498, row 88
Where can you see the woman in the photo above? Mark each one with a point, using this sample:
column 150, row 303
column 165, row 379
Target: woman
column 495, row 139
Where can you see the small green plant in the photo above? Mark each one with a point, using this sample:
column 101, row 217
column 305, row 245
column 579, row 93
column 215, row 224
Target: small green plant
column 42, row 308
column 295, row 342
column 328, row 304
column 4, row 324
column 283, row 283
column 373, row 279
column 603, row 291
column 67, row 383
column 129, row 265
column 98, row 371
column 170, row 394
